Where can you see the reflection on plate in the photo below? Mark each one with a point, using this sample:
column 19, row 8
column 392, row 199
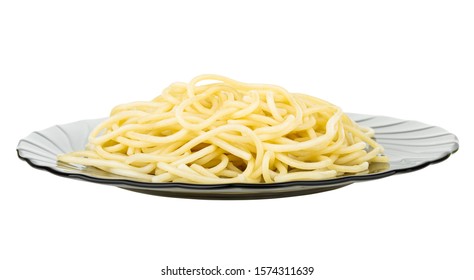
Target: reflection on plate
column 410, row 145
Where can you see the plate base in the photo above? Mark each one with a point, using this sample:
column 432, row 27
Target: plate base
column 235, row 196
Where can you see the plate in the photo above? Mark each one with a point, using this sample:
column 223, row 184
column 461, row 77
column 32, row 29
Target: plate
column 410, row 145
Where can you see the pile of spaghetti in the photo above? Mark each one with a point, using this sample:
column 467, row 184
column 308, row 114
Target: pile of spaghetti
column 216, row 130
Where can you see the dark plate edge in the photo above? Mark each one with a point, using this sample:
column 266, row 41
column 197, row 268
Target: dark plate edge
column 340, row 180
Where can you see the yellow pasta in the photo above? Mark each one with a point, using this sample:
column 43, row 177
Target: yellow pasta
column 215, row 130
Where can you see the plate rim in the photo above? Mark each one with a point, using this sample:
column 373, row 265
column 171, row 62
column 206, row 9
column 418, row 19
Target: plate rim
column 348, row 179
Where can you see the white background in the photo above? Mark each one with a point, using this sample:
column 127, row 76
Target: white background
column 62, row 61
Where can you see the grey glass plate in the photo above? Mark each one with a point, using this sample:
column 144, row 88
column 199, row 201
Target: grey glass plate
column 410, row 145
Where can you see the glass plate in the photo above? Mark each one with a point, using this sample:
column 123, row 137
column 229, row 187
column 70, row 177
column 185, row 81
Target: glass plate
column 410, row 145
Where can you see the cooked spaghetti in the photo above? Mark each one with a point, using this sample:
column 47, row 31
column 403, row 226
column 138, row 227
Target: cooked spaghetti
column 215, row 130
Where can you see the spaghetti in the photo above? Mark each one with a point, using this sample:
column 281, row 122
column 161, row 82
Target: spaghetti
column 225, row 131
